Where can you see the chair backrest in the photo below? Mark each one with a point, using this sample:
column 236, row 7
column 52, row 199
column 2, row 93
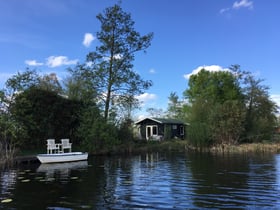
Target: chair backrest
column 65, row 143
column 51, row 143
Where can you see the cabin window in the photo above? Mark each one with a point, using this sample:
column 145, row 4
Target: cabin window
column 155, row 130
column 174, row 127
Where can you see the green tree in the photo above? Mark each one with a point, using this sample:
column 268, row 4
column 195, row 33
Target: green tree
column 261, row 110
column 45, row 114
column 96, row 133
column 155, row 112
column 175, row 107
column 227, row 122
column 230, row 107
column 22, row 81
column 216, row 111
column 81, row 85
column 11, row 131
column 110, row 66
column 50, row 82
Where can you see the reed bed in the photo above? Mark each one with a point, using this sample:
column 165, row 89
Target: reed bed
column 248, row 148
column 179, row 145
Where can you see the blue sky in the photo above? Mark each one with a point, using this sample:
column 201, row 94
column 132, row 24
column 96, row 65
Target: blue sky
column 52, row 35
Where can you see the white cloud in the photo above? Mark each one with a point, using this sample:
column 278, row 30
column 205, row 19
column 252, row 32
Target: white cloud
column 146, row 97
column 152, row 71
column 237, row 5
column 88, row 38
column 212, row 68
column 243, row 3
column 224, row 10
column 55, row 61
column 33, row 63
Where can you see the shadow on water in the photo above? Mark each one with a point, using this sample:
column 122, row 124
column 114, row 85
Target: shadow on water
column 146, row 181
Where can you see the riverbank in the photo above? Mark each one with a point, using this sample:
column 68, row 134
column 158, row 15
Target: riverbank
column 183, row 145
column 172, row 145
column 248, row 148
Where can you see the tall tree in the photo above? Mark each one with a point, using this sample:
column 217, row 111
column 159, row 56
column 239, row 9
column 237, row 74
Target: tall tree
column 111, row 63
column 261, row 110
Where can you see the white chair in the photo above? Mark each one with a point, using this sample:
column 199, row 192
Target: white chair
column 65, row 144
column 52, row 146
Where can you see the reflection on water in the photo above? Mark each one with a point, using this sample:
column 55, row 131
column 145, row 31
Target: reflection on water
column 61, row 170
column 147, row 181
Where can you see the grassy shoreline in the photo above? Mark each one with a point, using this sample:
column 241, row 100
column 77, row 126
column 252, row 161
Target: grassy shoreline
column 248, row 148
column 184, row 146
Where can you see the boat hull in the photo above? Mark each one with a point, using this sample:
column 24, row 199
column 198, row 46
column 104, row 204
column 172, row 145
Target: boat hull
column 62, row 157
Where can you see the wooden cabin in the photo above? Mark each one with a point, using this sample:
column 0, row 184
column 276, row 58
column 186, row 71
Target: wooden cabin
column 160, row 128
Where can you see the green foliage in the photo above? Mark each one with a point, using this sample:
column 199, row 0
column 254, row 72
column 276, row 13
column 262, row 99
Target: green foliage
column 80, row 85
column 175, row 107
column 44, row 114
column 213, row 86
column 228, row 107
column 50, row 83
column 96, row 133
column 22, row 81
column 10, row 131
column 9, row 137
column 261, row 111
column 227, row 122
column 126, row 131
column 198, row 134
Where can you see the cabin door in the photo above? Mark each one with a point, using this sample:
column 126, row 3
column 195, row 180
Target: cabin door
column 151, row 130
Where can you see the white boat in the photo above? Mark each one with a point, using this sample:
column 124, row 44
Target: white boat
column 62, row 157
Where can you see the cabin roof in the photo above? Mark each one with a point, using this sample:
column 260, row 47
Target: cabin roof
column 161, row 120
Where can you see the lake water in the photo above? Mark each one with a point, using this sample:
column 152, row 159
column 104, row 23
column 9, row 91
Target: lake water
column 147, row 181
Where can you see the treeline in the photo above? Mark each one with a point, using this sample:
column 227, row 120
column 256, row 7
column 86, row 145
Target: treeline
column 39, row 110
column 226, row 107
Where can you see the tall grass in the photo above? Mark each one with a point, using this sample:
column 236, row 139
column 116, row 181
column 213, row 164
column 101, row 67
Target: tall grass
column 7, row 152
column 184, row 145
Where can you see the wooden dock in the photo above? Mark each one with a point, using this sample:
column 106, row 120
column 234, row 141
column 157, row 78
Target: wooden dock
column 29, row 159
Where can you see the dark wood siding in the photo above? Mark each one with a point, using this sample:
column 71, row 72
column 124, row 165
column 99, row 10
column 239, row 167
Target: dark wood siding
column 168, row 129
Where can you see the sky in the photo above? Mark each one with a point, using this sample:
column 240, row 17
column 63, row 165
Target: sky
column 51, row 36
